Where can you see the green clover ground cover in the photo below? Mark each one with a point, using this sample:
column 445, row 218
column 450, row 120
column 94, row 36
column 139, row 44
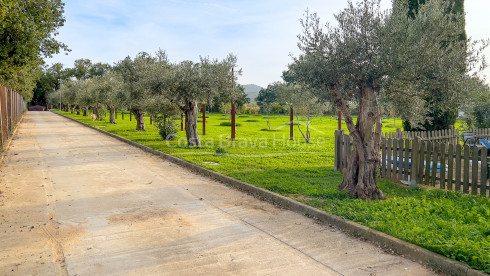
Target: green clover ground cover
column 451, row 224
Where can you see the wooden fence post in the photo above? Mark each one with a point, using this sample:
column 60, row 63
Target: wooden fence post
column 389, row 158
column 203, row 119
column 466, row 169
column 383, row 157
column 450, row 166
column 291, row 123
column 414, row 163
column 474, row 171
column 337, row 151
column 484, row 171
column 442, row 173
column 457, row 160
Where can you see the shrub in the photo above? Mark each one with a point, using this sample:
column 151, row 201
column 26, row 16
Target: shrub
column 229, row 124
column 167, row 130
column 220, row 151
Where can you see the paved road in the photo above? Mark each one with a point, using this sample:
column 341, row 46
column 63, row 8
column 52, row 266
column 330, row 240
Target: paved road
column 76, row 202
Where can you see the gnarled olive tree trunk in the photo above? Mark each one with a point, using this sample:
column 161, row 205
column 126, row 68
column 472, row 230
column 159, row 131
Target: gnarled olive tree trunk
column 85, row 111
column 112, row 111
column 360, row 175
column 190, row 110
column 78, row 110
column 140, row 120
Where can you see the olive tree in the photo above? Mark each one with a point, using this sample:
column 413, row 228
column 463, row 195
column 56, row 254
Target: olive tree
column 188, row 83
column 110, row 92
column 306, row 106
column 370, row 54
column 132, row 72
column 84, row 96
column 69, row 94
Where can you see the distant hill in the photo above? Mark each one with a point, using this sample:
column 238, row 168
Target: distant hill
column 252, row 90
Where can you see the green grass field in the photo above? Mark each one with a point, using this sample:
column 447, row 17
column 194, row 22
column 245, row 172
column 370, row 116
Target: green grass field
column 452, row 224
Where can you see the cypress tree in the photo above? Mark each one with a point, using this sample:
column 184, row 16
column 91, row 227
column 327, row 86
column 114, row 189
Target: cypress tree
column 442, row 118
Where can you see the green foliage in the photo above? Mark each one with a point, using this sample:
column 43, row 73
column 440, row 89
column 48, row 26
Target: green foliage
column 451, row 224
column 481, row 115
column 439, row 118
column 220, row 151
column 167, row 129
column 26, row 37
column 228, row 124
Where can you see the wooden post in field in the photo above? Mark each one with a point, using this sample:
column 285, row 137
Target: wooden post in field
column 181, row 121
column 339, row 119
column 233, row 106
column 203, row 119
column 130, row 116
column 151, row 120
column 291, row 123
column 232, row 119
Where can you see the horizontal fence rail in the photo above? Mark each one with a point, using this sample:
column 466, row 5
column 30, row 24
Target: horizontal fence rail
column 12, row 105
column 437, row 162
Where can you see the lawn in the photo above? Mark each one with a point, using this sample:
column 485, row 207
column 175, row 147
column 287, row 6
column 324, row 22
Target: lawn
column 451, row 224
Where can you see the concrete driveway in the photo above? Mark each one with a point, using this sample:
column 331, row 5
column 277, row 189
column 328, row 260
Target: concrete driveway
column 76, row 202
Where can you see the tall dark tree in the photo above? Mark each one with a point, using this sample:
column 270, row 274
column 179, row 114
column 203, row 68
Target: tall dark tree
column 439, row 117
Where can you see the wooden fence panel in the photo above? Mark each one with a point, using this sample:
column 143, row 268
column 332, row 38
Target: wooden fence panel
column 428, row 153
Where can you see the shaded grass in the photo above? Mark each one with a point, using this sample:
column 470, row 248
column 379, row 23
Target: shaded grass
column 452, row 224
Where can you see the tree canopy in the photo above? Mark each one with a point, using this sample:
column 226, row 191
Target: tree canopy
column 370, row 55
column 26, row 37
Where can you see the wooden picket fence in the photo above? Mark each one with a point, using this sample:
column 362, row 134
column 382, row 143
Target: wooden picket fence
column 438, row 162
column 448, row 136
column 12, row 105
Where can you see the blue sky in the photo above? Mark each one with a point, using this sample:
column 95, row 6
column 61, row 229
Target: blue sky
column 261, row 33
